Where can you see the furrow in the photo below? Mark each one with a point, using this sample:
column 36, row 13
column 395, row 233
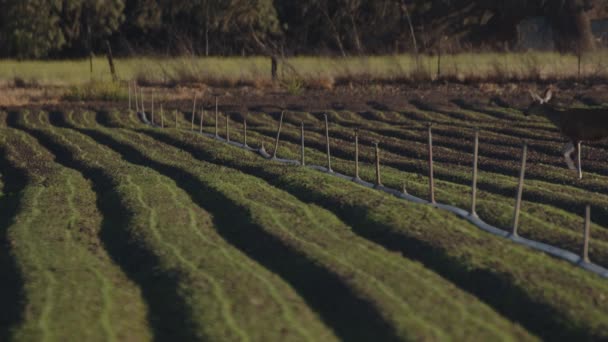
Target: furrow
column 200, row 309
column 302, row 237
column 526, row 286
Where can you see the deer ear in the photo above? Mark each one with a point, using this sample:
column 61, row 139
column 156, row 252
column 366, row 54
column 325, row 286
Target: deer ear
column 548, row 95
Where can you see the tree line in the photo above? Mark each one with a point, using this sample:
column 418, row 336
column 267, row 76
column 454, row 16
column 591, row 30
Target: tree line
column 79, row 28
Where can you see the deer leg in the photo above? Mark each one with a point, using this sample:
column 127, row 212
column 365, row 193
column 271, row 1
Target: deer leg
column 568, row 149
column 578, row 159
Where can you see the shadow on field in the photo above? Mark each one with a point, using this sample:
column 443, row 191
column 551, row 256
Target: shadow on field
column 168, row 315
column 351, row 318
column 498, row 291
column 11, row 283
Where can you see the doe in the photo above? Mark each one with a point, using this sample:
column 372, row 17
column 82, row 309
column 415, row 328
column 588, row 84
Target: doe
column 576, row 124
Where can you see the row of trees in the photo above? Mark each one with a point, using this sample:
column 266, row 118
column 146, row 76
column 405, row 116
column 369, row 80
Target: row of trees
column 76, row 28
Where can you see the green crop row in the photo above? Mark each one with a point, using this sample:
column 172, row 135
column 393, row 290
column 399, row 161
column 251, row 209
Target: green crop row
column 414, row 302
column 547, row 296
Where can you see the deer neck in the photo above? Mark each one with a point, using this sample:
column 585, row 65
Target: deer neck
column 552, row 113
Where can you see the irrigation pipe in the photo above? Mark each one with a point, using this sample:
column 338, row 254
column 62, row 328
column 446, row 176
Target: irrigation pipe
column 557, row 252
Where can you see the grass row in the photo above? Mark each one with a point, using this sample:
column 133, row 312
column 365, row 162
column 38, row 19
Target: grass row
column 68, row 280
column 547, row 214
column 312, row 70
column 197, row 285
column 403, row 293
column 549, row 297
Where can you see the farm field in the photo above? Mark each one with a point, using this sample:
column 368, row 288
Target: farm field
column 133, row 232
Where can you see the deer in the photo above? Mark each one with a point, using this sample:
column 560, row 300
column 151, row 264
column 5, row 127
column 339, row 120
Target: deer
column 576, row 124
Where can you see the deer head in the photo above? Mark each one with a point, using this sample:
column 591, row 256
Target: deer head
column 539, row 104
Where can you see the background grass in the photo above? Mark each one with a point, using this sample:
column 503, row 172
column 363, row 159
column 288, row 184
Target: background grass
column 321, row 72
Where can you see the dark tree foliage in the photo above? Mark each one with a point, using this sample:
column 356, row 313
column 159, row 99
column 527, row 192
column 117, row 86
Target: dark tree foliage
column 76, row 28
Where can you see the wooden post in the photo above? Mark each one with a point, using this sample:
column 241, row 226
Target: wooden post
column 227, row 127
column 327, row 142
column 162, row 117
column 193, row 111
column 129, row 85
column 357, row 154
column 136, row 100
column 302, row 161
column 404, row 190
column 111, row 62
column 378, row 179
column 176, row 123
column 201, row 122
column 217, row 118
column 587, row 233
column 276, row 143
column 474, row 185
column 143, row 109
column 431, row 177
column 578, row 160
column 520, row 190
column 245, row 131
column 152, row 109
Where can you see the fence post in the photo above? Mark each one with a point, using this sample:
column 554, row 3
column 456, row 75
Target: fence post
column 153, row 123
column 245, row 131
column 431, row 177
column 217, row 118
column 474, row 185
column 357, row 154
column 143, row 108
column 520, row 190
column 378, row 179
column 276, row 143
column 176, row 123
column 136, row 100
column 327, row 141
column 587, row 233
column 302, row 162
column 201, row 121
column 193, row 112
column 578, row 157
column 227, row 127
column 404, row 190
column 129, row 84
column 162, row 117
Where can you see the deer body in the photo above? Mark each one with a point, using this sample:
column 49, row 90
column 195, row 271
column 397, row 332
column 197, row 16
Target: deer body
column 576, row 124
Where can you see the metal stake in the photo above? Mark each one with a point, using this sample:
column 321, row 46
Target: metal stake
column 193, row 112
column 153, row 109
column 520, row 189
column 580, row 168
column 227, row 127
column 276, row 143
column 587, row 233
column 378, row 180
column 302, row 161
column 129, row 84
column 431, row 177
column 357, row 154
column 245, row 132
column 162, row 117
column 474, row 185
column 327, row 141
column 217, row 118
column 201, row 122
column 143, row 107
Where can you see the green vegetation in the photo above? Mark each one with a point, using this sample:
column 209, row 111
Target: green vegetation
column 200, row 240
column 518, row 282
column 312, row 72
column 68, row 278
